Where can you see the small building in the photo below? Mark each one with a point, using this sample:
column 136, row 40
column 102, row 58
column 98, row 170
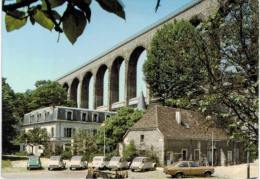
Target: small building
column 177, row 134
column 62, row 122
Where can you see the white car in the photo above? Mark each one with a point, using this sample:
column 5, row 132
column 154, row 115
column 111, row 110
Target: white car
column 142, row 164
column 118, row 163
column 77, row 162
column 56, row 162
column 100, row 162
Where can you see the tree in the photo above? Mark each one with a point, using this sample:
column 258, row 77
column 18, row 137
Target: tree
column 84, row 144
column 116, row 126
column 9, row 120
column 47, row 13
column 224, row 51
column 48, row 93
column 129, row 152
column 35, row 136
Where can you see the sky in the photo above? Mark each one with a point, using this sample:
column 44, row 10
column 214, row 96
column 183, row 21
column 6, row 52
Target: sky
column 32, row 53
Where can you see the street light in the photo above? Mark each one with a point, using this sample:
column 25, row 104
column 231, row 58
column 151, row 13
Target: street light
column 104, row 147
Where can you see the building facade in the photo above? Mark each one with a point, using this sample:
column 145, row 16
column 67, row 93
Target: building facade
column 62, row 122
column 177, row 134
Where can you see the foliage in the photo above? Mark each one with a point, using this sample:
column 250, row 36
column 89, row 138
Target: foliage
column 152, row 155
column 47, row 93
column 116, row 126
column 84, row 144
column 6, row 164
column 9, row 119
column 129, row 152
column 35, row 136
column 66, row 154
column 227, row 60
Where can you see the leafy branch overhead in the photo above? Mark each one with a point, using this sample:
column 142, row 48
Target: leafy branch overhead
column 47, row 13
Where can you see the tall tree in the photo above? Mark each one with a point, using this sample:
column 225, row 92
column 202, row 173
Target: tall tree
column 9, row 119
column 48, row 93
column 116, row 126
column 224, row 51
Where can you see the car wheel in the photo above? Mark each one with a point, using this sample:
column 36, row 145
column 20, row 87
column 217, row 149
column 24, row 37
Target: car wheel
column 207, row 174
column 132, row 170
column 179, row 175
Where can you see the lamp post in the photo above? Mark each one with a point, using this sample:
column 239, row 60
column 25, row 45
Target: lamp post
column 104, row 147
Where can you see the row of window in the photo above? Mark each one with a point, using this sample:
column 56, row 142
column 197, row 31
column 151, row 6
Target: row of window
column 69, row 132
column 84, row 116
column 39, row 117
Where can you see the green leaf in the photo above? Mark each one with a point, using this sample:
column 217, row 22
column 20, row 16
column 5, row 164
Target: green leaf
column 112, row 6
column 42, row 19
column 12, row 23
column 85, row 8
column 74, row 22
column 53, row 3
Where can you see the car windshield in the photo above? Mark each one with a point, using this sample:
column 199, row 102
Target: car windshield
column 138, row 159
column 55, row 158
column 33, row 158
column 76, row 158
column 115, row 158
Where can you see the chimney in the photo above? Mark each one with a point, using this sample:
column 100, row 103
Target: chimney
column 178, row 117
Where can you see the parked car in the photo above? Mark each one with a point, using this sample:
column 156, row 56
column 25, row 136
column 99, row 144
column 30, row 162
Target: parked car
column 188, row 168
column 118, row 163
column 77, row 162
column 100, row 162
column 56, row 162
column 142, row 164
column 34, row 162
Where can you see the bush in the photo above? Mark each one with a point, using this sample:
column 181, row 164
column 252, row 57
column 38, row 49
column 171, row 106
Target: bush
column 152, row 155
column 66, row 154
column 129, row 152
column 22, row 153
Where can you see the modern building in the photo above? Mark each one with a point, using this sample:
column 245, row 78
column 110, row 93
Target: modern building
column 62, row 122
column 177, row 134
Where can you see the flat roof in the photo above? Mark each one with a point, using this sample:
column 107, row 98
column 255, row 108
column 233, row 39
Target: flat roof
column 150, row 27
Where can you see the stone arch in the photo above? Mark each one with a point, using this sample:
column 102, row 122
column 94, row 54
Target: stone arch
column 99, row 85
column 132, row 72
column 114, row 79
column 74, row 91
column 85, row 90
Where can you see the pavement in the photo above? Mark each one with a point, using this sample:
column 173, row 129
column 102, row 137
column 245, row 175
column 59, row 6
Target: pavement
column 18, row 171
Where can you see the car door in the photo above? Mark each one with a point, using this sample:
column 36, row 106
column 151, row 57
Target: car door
column 195, row 169
column 184, row 168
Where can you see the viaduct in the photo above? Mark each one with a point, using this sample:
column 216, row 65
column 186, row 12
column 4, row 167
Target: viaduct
column 77, row 81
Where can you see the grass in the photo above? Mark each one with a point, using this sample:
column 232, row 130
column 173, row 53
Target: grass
column 6, row 164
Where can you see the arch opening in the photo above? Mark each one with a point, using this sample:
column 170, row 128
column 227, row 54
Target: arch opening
column 85, row 90
column 74, row 91
column 117, row 80
column 135, row 77
column 101, row 86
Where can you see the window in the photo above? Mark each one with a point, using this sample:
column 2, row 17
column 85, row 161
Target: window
column 107, row 116
column 194, row 164
column 31, row 118
column 184, row 153
column 69, row 115
column 141, row 138
column 67, row 132
column 94, row 131
column 197, row 154
column 95, row 118
column 52, row 132
column 183, row 164
column 47, row 115
column 84, row 116
column 39, row 116
column 229, row 156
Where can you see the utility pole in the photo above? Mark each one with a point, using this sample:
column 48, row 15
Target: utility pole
column 248, row 164
column 212, row 158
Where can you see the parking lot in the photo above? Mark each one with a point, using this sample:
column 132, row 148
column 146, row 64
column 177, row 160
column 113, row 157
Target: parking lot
column 18, row 171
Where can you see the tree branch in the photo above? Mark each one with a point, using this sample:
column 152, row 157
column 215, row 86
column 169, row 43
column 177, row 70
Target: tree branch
column 14, row 6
